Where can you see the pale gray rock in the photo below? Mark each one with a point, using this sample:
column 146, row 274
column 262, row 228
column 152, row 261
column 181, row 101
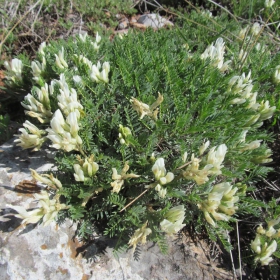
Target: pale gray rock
column 123, row 24
column 54, row 252
column 154, row 21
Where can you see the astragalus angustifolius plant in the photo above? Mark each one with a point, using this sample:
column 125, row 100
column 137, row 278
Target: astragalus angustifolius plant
column 150, row 136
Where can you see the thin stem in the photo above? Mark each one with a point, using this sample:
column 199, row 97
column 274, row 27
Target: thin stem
column 187, row 163
column 134, row 200
column 81, row 151
column 220, row 6
column 231, row 258
column 239, row 253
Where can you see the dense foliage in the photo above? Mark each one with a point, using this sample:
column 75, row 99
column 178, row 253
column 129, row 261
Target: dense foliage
column 154, row 131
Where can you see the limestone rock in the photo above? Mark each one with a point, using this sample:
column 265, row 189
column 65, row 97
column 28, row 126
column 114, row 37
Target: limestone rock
column 154, row 21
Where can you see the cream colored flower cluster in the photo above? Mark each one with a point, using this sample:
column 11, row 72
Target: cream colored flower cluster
column 270, row 232
column 38, row 104
column 14, row 70
column 162, row 178
column 242, row 86
column 83, row 37
column 31, row 137
column 140, row 236
column 64, row 133
column 253, row 30
column 171, row 224
column 124, row 133
column 173, row 220
column 68, row 98
column 65, row 121
column 96, row 72
column 254, row 145
column 263, row 252
column 39, row 67
column 220, row 203
column 147, row 110
column 269, row 3
column 216, row 54
column 119, row 178
column 212, row 164
column 49, row 207
column 85, row 169
column 47, row 211
column 276, row 75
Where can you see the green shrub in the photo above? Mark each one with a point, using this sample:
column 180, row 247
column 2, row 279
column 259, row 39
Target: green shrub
column 151, row 135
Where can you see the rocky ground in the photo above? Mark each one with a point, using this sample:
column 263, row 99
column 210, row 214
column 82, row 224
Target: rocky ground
column 55, row 252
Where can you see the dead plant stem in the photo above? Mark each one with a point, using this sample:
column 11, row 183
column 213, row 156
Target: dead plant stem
column 17, row 23
column 134, row 200
column 239, row 253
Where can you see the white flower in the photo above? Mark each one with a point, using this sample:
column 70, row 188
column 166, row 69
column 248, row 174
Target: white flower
column 85, row 169
column 39, row 108
column 34, row 139
column 14, row 69
column 161, row 191
column 184, row 157
column 271, row 231
column 84, row 60
column 83, row 36
column 48, row 210
column 140, row 235
column 97, row 38
column 276, row 75
column 173, row 221
column 77, row 79
column 160, row 172
column 255, row 29
column 64, row 134
column 204, row 147
column 68, row 101
column 192, row 171
column 161, row 177
column 41, row 48
column 242, row 55
column 265, row 111
column 216, row 54
column 97, row 41
column 30, row 217
column 37, row 69
column 144, row 109
column 47, row 179
column 251, row 146
column 243, row 32
column 256, row 244
column 263, row 252
column 79, row 174
column 216, row 158
column 219, row 205
column 102, row 76
column 239, row 84
column 269, row 3
column 207, row 13
column 60, row 61
column 242, row 86
column 119, row 178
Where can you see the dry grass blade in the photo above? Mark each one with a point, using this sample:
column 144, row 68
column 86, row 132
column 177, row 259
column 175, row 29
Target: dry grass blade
column 17, row 23
column 239, row 253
